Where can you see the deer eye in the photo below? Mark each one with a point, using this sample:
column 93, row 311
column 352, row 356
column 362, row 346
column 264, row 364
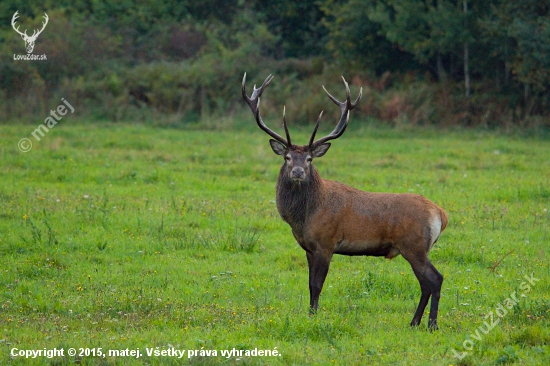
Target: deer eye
column 287, row 158
column 309, row 160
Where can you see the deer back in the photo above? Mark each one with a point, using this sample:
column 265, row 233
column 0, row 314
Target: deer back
column 345, row 220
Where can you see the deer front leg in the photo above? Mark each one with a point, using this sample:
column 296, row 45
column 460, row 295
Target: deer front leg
column 318, row 263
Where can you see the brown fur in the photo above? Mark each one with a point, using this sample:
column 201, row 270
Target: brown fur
column 329, row 217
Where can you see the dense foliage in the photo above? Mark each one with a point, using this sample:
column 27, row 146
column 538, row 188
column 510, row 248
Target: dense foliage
column 436, row 62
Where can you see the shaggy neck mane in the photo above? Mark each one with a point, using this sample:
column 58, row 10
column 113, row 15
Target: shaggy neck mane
column 296, row 199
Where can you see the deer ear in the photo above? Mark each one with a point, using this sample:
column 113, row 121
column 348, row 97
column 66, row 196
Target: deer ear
column 277, row 147
column 320, row 150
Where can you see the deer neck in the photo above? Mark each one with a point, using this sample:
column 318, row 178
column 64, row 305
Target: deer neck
column 297, row 200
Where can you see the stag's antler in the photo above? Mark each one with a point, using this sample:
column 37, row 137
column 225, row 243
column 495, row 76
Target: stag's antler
column 345, row 107
column 254, row 104
column 13, row 21
column 24, row 34
column 43, row 26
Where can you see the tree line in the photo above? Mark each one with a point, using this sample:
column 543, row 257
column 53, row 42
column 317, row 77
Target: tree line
column 464, row 62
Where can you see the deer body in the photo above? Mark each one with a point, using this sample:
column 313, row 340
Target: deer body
column 345, row 220
column 329, row 217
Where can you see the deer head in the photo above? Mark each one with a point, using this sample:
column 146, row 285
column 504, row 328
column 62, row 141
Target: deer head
column 29, row 40
column 298, row 159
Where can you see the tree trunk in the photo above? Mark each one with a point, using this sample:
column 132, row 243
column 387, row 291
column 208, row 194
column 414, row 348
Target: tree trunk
column 466, row 67
column 506, row 68
column 441, row 75
column 466, row 71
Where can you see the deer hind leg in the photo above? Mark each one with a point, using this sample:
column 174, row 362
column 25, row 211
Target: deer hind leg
column 437, row 281
column 318, row 263
column 424, row 298
column 430, row 285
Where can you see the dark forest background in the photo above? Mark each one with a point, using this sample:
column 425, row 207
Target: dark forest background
column 436, row 62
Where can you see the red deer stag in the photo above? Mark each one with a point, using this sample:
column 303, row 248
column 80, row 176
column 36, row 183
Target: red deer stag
column 329, row 217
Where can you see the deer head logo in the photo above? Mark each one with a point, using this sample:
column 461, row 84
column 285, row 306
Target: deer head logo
column 29, row 40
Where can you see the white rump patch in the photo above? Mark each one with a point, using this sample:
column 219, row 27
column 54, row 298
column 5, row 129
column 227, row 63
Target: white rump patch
column 435, row 228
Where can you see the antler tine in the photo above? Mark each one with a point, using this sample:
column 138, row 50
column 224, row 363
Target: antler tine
column 256, row 93
column 13, row 21
column 44, row 23
column 285, row 126
column 315, row 129
column 14, row 18
column 254, row 103
column 345, row 108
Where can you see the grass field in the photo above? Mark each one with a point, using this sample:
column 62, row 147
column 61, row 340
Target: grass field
column 126, row 237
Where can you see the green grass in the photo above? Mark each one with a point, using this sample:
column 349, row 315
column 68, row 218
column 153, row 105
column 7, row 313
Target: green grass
column 124, row 236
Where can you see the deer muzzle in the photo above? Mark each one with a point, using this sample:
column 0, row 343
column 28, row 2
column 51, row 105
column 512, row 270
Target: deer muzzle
column 297, row 173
